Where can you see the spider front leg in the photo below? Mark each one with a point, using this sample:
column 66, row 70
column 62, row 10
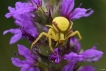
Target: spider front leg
column 50, row 43
column 43, row 33
column 52, row 35
column 73, row 33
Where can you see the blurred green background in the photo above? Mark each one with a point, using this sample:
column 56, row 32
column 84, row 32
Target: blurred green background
column 92, row 29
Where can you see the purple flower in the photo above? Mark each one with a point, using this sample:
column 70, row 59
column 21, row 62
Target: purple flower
column 17, row 35
column 75, row 43
column 73, row 57
column 88, row 55
column 55, row 57
column 67, row 7
column 92, row 54
column 30, row 60
column 23, row 19
column 38, row 3
column 26, row 23
column 26, row 28
column 87, row 68
column 69, row 66
column 20, row 8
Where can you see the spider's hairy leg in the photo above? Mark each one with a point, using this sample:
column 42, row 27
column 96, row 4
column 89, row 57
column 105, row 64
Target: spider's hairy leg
column 49, row 27
column 53, row 36
column 73, row 33
column 50, row 43
column 69, row 30
column 70, row 27
column 43, row 33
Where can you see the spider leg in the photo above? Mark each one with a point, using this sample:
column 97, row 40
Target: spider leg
column 50, row 43
column 56, row 44
column 69, row 30
column 70, row 27
column 43, row 33
column 48, row 26
column 73, row 33
column 53, row 36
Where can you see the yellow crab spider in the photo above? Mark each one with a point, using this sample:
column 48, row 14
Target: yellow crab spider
column 59, row 31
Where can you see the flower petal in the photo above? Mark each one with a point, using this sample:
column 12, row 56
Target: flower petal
column 69, row 66
column 11, row 10
column 67, row 6
column 75, row 43
column 20, row 9
column 55, row 57
column 23, row 69
column 26, row 53
column 80, row 12
column 33, row 69
column 17, row 35
column 91, row 55
column 28, row 25
column 87, row 68
column 13, row 31
column 23, row 7
column 26, row 67
column 73, row 57
column 17, row 62
column 37, row 2
column 15, row 38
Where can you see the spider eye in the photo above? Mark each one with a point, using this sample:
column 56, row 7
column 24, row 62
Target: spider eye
column 61, row 23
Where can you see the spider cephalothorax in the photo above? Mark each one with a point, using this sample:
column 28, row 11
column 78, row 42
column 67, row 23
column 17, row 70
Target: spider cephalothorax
column 59, row 31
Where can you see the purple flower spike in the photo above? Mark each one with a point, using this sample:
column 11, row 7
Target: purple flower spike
column 29, row 63
column 91, row 54
column 87, row 68
column 17, row 35
column 20, row 8
column 74, row 42
column 55, row 57
column 37, row 2
column 67, row 7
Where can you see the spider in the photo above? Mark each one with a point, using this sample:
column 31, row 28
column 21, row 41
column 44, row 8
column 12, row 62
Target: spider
column 59, row 31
